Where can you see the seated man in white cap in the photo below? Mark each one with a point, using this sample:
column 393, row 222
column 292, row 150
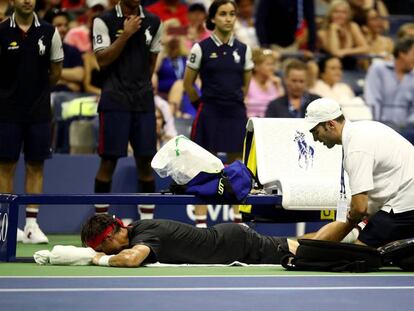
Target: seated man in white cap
column 380, row 166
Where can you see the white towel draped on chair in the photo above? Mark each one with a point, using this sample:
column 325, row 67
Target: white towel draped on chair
column 304, row 172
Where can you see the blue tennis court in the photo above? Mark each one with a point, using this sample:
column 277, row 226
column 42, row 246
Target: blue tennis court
column 27, row 286
column 295, row 292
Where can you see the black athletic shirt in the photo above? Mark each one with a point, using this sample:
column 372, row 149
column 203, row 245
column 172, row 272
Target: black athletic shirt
column 25, row 59
column 127, row 81
column 175, row 242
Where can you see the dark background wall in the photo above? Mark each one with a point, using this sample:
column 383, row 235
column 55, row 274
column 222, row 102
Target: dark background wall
column 400, row 7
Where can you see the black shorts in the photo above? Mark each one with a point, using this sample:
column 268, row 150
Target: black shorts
column 246, row 245
column 384, row 227
column 34, row 138
column 271, row 249
column 117, row 128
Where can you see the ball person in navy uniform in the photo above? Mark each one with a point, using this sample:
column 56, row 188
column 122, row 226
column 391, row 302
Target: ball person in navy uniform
column 224, row 65
column 126, row 43
column 31, row 58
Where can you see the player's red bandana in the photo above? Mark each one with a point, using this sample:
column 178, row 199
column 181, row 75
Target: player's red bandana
column 99, row 238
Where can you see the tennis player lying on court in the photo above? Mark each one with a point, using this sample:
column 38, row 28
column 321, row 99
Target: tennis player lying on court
column 168, row 241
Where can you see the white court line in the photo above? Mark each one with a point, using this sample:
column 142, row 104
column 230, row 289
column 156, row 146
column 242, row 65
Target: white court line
column 335, row 275
column 201, row 289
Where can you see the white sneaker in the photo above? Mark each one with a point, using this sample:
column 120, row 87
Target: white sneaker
column 33, row 235
column 127, row 221
column 20, row 235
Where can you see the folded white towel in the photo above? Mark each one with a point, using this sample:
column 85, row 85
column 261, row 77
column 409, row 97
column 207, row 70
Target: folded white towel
column 42, row 257
column 65, row 255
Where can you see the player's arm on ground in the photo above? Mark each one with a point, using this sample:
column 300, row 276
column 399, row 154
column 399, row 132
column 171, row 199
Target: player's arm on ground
column 130, row 258
column 105, row 51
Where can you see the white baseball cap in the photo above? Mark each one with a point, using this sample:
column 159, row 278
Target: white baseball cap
column 321, row 110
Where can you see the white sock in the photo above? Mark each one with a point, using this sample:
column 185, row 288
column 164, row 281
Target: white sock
column 101, row 208
column 31, row 221
column 127, row 221
column 351, row 237
column 146, row 211
column 201, row 221
column 238, row 218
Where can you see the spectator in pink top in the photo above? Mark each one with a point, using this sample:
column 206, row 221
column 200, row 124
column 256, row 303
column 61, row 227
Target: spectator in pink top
column 264, row 86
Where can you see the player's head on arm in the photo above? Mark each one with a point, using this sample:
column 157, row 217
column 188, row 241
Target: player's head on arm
column 105, row 233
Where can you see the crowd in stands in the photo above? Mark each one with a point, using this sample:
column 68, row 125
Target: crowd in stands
column 333, row 40
column 287, row 54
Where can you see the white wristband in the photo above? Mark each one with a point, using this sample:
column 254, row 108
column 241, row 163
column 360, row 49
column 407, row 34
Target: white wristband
column 104, row 260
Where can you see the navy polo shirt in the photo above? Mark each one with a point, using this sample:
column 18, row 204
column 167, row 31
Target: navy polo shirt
column 221, row 67
column 127, row 81
column 73, row 58
column 25, row 61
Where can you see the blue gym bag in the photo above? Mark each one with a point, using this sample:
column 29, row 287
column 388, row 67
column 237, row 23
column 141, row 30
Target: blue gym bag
column 232, row 184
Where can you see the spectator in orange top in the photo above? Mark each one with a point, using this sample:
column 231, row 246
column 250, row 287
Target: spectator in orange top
column 166, row 9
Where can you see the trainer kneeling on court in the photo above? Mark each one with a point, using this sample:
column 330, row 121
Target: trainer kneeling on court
column 380, row 166
column 167, row 241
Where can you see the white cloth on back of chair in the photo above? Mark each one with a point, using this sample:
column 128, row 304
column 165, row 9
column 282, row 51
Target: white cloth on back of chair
column 304, row 172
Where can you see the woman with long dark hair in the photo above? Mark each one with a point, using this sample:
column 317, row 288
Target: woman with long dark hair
column 224, row 65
